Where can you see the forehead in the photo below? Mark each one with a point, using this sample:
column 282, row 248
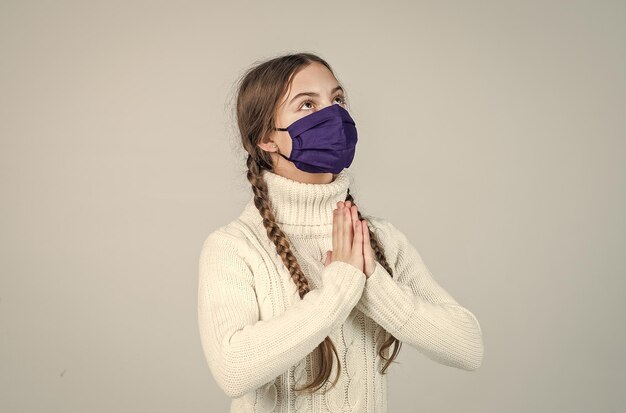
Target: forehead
column 312, row 78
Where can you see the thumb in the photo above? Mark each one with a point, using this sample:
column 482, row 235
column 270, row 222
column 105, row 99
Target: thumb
column 329, row 255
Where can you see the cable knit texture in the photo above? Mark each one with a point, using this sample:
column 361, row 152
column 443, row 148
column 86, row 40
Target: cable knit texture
column 259, row 336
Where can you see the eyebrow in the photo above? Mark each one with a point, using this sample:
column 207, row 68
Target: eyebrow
column 313, row 94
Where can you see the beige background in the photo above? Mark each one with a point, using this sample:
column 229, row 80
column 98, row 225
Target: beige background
column 492, row 133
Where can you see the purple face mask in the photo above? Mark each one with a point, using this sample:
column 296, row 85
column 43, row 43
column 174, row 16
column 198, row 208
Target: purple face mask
column 324, row 141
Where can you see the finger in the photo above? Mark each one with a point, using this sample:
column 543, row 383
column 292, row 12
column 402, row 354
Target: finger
column 354, row 212
column 327, row 260
column 367, row 247
column 357, row 242
column 348, row 230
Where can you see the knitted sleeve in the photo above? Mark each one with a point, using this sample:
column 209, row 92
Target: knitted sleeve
column 244, row 352
column 416, row 309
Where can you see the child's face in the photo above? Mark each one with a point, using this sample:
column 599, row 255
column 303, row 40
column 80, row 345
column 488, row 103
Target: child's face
column 321, row 88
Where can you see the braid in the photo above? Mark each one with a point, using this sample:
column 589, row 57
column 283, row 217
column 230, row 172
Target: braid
column 379, row 254
column 283, row 248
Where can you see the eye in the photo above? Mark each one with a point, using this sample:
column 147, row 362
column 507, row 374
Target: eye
column 306, row 102
column 340, row 98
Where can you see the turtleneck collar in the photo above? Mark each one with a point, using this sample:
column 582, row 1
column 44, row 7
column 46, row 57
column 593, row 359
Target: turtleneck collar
column 304, row 204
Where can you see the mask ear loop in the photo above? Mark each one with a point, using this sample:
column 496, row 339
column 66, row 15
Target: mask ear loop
column 276, row 146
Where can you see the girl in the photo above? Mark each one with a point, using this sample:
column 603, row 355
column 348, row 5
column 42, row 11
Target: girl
column 300, row 298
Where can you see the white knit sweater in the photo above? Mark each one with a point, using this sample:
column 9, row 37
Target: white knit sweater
column 259, row 337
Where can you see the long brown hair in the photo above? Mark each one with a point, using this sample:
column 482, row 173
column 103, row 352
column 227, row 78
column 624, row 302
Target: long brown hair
column 258, row 93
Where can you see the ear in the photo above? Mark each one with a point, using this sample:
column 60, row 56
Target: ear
column 267, row 146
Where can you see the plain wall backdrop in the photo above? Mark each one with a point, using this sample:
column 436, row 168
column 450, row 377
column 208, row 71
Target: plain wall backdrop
column 490, row 132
